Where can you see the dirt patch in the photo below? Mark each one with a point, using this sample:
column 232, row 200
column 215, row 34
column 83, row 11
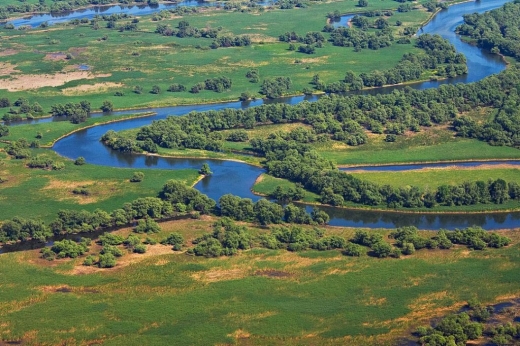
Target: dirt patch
column 215, row 275
column 55, row 56
column 63, row 190
column 90, row 88
column 258, row 38
column 35, row 81
column 7, row 52
column 270, row 273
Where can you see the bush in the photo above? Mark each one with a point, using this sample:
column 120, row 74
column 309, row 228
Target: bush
column 107, row 106
column 353, row 250
column 106, row 261
column 111, row 249
column 173, row 239
column 140, row 248
column 110, row 239
column 137, row 177
column 89, row 260
column 147, row 225
column 80, row 161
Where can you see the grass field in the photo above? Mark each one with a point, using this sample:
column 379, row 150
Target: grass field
column 38, row 193
column 427, row 146
column 257, row 297
column 35, row 58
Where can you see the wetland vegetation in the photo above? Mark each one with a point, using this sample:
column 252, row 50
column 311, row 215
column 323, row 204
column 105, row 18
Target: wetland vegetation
column 138, row 256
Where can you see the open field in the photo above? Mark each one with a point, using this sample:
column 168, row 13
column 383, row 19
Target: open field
column 257, row 297
column 428, row 146
column 435, row 177
column 38, row 193
column 39, row 70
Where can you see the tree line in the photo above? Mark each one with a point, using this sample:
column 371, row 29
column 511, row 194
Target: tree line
column 174, row 199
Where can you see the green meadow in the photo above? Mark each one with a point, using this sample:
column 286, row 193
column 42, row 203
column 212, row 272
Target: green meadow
column 40, row 193
column 257, row 297
column 119, row 61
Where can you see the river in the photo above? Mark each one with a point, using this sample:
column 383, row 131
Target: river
column 238, row 178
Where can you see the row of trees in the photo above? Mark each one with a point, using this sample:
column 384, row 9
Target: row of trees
column 296, row 162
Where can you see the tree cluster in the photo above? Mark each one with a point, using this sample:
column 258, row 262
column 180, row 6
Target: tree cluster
column 496, row 30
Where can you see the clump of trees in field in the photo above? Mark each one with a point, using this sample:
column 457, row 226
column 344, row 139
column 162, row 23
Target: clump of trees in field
column 472, row 324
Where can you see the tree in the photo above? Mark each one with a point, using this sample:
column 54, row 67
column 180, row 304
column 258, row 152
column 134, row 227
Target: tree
column 138, row 89
column 137, row 177
column 156, row 89
column 362, row 3
column 4, row 130
column 107, row 106
column 80, row 161
column 106, row 260
column 205, row 170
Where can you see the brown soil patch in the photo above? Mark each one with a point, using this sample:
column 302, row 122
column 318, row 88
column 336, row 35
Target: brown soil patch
column 35, row 81
column 270, row 273
column 125, row 260
column 7, row 52
column 90, row 88
column 55, row 56
column 215, row 275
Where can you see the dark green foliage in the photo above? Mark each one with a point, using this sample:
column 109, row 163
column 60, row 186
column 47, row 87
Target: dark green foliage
column 285, row 195
column 175, row 239
column 366, row 238
column 495, row 29
column 226, row 240
column 176, row 192
column 477, row 238
column 23, row 229
column 137, row 177
column 147, row 225
column 107, row 261
column 77, row 112
column 140, row 248
column 80, row 161
column 4, row 130
column 111, row 249
column 238, row 136
column 382, row 249
column 107, row 106
column 353, row 250
column 295, row 238
column 68, row 248
column 110, row 239
column 205, row 170
column 275, row 87
column 175, row 87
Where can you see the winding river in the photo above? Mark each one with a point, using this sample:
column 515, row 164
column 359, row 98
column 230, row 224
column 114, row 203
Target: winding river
column 238, row 178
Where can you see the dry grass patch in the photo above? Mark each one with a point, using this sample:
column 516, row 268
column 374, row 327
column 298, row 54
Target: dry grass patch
column 91, row 88
column 35, row 81
column 215, row 275
column 59, row 56
column 97, row 190
column 8, row 51
column 240, row 334
column 7, row 68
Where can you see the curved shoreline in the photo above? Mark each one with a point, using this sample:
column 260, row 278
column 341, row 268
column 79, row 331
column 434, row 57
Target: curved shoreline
column 144, row 115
